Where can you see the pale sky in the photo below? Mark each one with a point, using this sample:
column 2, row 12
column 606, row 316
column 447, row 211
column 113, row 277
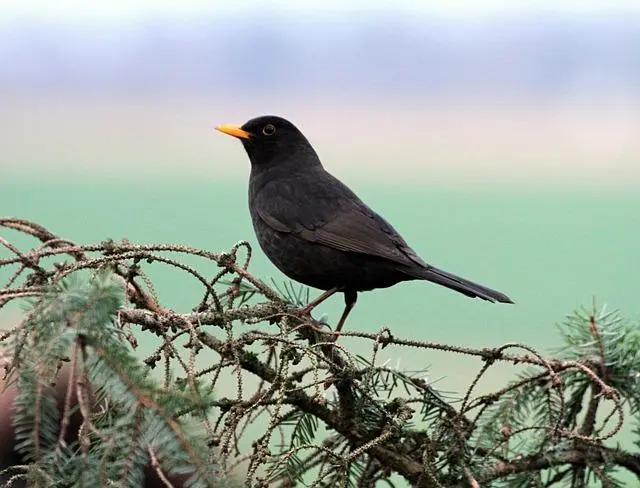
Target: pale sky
column 136, row 9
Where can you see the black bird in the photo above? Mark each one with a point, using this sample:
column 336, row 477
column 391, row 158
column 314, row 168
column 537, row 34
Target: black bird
column 317, row 231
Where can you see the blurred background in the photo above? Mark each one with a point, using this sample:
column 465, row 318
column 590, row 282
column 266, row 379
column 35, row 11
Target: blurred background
column 501, row 138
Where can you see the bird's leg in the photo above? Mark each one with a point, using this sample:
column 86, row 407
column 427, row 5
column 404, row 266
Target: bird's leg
column 314, row 303
column 350, row 298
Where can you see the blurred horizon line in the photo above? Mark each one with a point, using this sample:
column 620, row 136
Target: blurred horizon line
column 444, row 143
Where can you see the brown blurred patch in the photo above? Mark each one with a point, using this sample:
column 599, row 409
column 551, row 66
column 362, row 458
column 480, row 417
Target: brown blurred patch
column 8, row 456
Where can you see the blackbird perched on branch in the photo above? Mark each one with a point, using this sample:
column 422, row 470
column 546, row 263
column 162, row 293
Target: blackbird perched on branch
column 317, row 231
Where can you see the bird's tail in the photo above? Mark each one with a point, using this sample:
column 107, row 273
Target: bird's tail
column 458, row 284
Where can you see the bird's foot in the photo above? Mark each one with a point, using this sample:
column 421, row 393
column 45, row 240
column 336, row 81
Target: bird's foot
column 335, row 335
column 309, row 325
column 321, row 326
column 307, row 321
column 306, row 310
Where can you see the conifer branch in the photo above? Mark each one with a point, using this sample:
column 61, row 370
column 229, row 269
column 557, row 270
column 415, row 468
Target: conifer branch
column 251, row 388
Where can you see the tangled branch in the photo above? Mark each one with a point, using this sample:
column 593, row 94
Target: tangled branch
column 279, row 376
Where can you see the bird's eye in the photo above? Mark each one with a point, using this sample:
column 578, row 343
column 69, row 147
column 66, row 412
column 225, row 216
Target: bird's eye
column 268, row 130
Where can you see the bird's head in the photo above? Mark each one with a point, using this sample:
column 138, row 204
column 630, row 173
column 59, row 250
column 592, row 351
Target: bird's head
column 271, row 140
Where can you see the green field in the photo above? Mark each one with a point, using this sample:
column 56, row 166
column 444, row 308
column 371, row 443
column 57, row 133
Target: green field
column 551, row 252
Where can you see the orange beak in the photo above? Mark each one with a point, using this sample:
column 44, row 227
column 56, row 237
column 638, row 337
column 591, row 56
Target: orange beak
column 234, row 130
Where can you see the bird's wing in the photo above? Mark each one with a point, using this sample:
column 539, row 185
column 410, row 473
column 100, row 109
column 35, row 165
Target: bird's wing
column 337, row 219
column 361, row 232
column 332, row 215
